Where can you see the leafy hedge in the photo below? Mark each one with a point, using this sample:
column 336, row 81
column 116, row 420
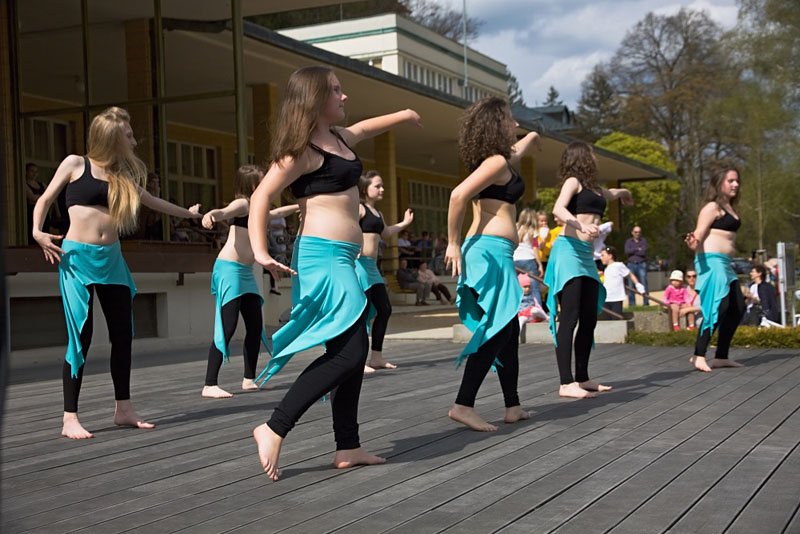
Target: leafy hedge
column 746, row 337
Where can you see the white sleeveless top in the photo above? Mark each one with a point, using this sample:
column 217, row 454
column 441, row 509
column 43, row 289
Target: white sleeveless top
column 525, row 249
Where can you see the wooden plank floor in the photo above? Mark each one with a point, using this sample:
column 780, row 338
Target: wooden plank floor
column 669, row 450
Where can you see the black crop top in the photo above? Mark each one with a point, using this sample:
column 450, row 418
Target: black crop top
column 587, row 201
column 336, row 174
column 510, row 192
column 87, row 190
column 241, row 221
column 727, row 222
column 371, row 223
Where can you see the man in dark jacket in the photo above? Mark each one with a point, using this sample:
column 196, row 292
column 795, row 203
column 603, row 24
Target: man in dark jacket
column 636, row 251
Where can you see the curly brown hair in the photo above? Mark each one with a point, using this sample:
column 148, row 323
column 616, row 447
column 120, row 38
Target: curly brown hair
column 577, row 161
column 484, row 132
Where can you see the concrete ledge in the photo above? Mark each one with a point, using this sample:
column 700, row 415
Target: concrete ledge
column 539, row 333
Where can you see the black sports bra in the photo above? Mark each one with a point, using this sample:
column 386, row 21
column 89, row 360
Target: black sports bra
column 241, row 221
column 510, row 192
column 587, row 201
column 336, row 174
column 371, row 223
column 727, row 222
column 87, row 190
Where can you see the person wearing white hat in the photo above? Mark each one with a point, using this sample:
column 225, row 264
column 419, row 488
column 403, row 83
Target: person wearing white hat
column 676, row 298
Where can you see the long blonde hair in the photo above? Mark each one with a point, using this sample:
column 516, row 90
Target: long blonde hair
column 108, row 146
column 526, row 224
column 306, row 94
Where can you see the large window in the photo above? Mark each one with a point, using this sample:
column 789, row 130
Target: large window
column 193, row 171
column 429, row 202
column 47, row 142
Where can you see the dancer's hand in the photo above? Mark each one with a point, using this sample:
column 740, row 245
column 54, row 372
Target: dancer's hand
column 691, row 241
column 625, row 197
column 195, row 211
column 408, row 218
column 52, row 252
column 453, row 260
column 591, row 230
column 209, row 220
column 276, row 268
column 414, row 118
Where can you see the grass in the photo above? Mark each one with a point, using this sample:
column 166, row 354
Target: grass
column 745, row 337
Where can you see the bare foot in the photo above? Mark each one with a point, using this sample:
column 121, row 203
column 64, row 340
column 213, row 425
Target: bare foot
column 248, row 384
column 73, row 429
column 516, row 413
column 353, row 457
column 381, row 364
column 575, row 391
column 215, row 392
column 469, row 417
column 368, row 370
column 716, row 363
column 125, row 415
column 700, row 363
column 269, row 448
column 591, row 385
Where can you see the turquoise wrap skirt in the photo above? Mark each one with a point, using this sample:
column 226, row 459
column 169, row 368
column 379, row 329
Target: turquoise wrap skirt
column 488, row 291
column 82, row 265
column 569, row 258
column 327, row 298
column 230, row 280
column 714, row 277
column 368, row 276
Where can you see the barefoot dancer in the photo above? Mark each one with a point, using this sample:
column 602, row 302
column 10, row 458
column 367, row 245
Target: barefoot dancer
column 371, row 221
column 571, row 272
column 488, row 291
column 714, row 241
column 313, row 157
column 235, row 288
column 104, row 191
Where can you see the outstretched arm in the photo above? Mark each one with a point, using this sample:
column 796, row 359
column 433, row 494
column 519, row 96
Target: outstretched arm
column 389, row 231
column 623, row 195
column 524, row 147
column 375, row 126
column 161, row 205
column 284, row 211
column 237, row 208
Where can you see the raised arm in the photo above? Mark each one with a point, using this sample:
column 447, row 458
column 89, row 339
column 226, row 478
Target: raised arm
column 284, row 211
column 623, row 195
column 375, row 126
column 389, row 231
column 525, row 147
column 237, row 208
column 568, row 190
column 279, row 176
column 61, row 178
column 704, row 221
column 161, row 205
column 491, row 171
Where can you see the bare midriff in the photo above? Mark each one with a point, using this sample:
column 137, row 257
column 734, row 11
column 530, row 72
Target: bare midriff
column 493, row 217
column 92, row 225
column 370, row 246
column 237, row 248
column 583, row 218
column 331, row 216
column 719, row 242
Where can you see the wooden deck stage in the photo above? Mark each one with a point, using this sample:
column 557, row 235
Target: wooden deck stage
column 670, row 450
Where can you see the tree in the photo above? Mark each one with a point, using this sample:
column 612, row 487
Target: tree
column 552, row 98
column 656, row 202
column 599, row 107
column 514, row 91
column 442, row 19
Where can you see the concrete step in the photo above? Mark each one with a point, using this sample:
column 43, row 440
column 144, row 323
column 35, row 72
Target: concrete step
column 539, row 333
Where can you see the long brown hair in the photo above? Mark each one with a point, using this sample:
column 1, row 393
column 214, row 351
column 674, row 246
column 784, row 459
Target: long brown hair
column 713, row 191
column 577, row 161
column 247, row 179
column 306, row 94
column 364, row 182
column 108, row 146
column 483, row 132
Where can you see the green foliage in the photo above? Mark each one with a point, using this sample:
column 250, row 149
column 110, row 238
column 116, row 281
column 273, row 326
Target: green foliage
column 545, row 200
column 746, row 337
column 514, row 90
column 639, row 149
column 553, row 97
column 599, row 108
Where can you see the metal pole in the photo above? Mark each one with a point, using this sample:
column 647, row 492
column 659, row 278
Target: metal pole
column 238, row 75
column 464, row 31
column 161, row 111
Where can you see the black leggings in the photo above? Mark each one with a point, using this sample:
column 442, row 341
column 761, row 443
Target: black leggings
column 731, row 311
column 249, row 305
column 379, row 298
column 505, row 347
column 578, row 303
column 341, row 367
column 116, row 303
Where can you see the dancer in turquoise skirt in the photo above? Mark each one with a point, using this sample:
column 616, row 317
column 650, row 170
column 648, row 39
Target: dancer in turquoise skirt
column 488, row 291
column 374, row 228
column 313, row 158
column 234, row 285
column 104, row 190
column 571, row 275
column 714, row 242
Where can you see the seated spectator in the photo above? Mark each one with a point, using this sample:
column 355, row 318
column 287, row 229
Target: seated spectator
column 761, row 301
column 407, row 278
column 692, row 297
column 426, row 276
column 405, row 249
column 529, row 310
column 439, row 248
column 676, row 297
column 425, row 246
